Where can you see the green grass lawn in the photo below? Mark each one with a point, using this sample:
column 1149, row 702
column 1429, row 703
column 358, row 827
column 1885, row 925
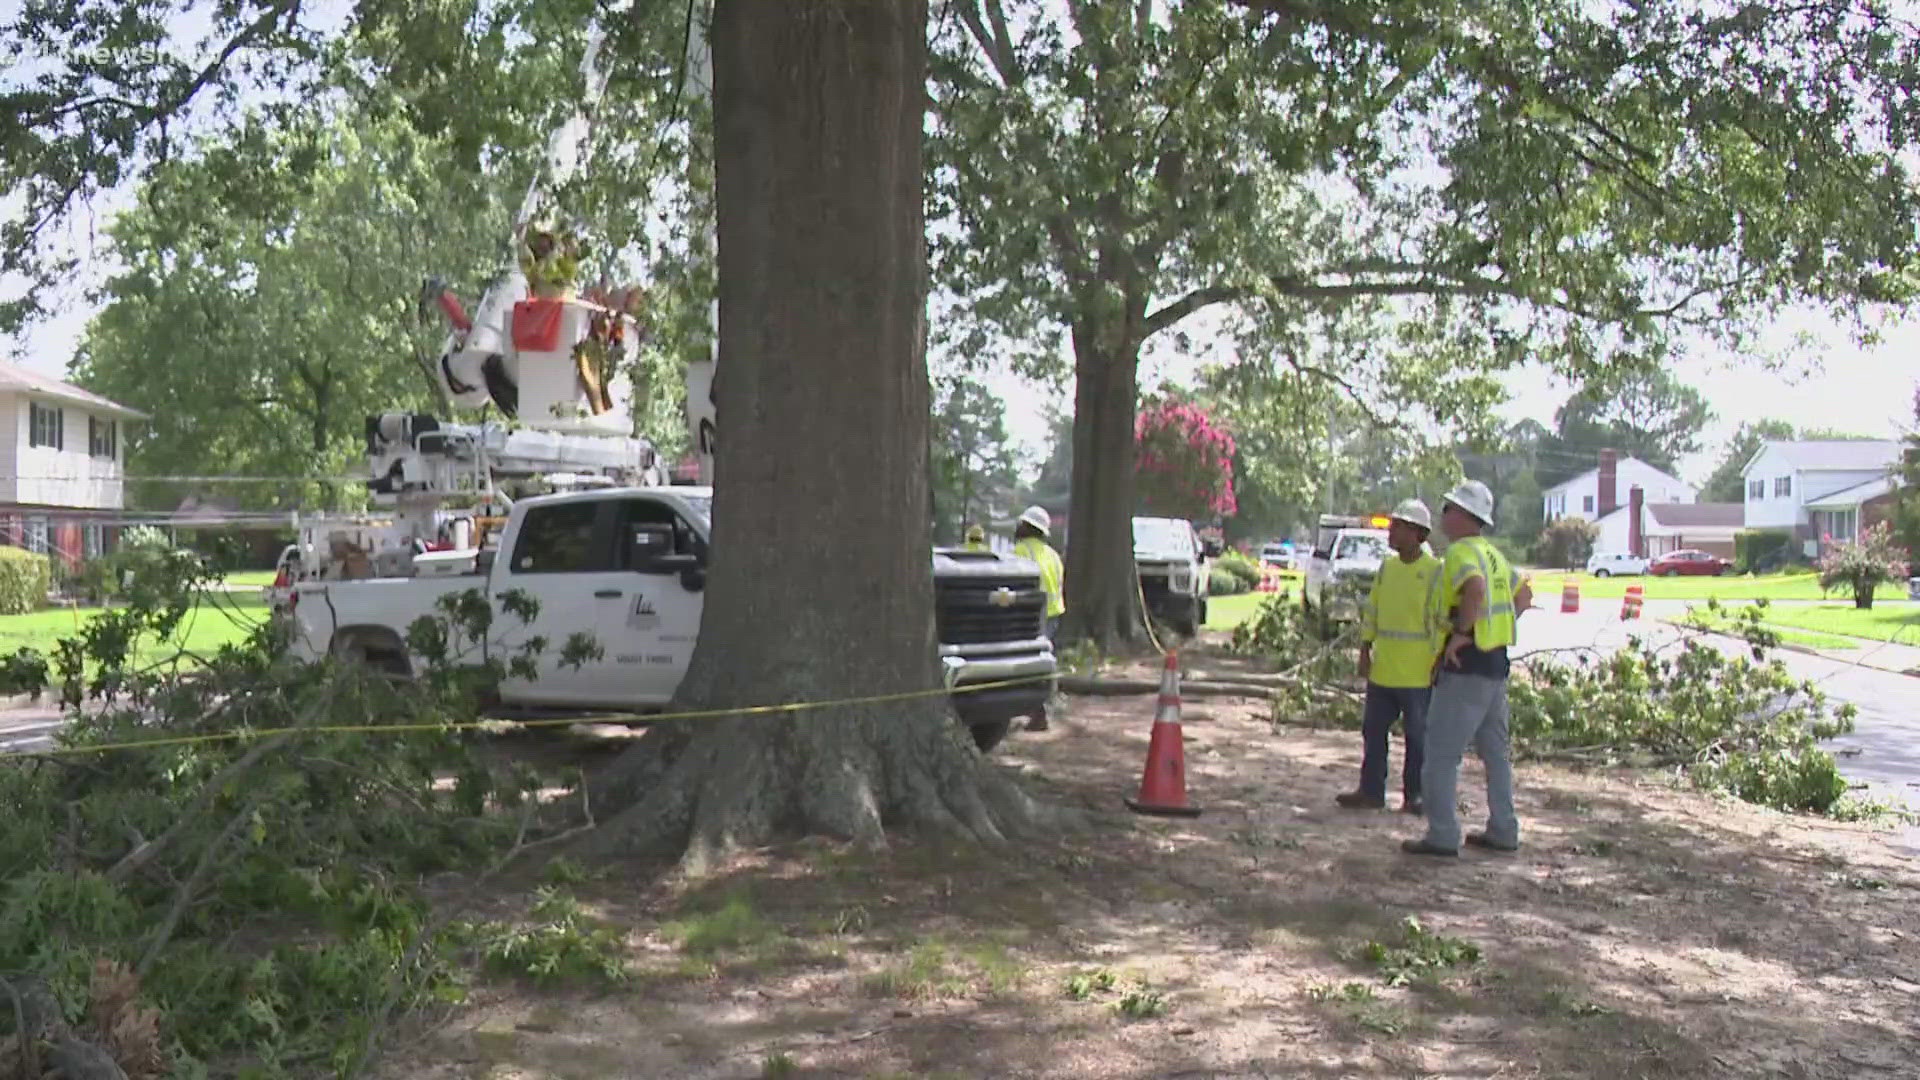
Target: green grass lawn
column 1788, row 636
column 213, row 624
column 1547, row 585
column 249, row 579
column 1882, row 622
column 1227, row 612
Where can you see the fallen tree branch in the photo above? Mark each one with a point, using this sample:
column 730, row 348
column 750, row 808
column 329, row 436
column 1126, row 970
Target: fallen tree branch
column 146, row 853
column 1096, row 686
column 183, row 896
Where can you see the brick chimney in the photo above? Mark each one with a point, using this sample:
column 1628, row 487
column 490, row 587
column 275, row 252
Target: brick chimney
column 1636, row 535
column 1609, row 482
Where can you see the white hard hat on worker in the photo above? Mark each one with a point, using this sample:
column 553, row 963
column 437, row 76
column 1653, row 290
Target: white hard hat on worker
column 1413, row 512
column 1474, row 498
column 1038, row 517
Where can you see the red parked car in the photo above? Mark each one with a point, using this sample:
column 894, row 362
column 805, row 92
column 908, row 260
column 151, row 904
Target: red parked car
column 1689, row 561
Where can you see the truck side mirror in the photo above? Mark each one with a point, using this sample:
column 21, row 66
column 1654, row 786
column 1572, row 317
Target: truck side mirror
column 650, row 550
column 647, row 544
column 1212, row 549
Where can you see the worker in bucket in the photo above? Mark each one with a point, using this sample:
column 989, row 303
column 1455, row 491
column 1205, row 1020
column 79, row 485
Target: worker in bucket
column 1397, row 650
column 1479, row 597
column 1030, row 535
column 976, row 538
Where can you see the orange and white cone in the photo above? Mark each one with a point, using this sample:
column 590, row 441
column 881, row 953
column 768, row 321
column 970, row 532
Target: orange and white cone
column 1630, row 603
column 1163, row 786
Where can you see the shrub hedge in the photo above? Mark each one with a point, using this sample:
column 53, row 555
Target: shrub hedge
column 24, row 580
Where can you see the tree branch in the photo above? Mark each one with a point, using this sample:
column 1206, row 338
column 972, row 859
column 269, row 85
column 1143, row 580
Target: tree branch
column 1199, row 298
column 995, row 42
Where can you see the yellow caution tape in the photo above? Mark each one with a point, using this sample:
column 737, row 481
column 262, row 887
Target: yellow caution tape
column 472, row 725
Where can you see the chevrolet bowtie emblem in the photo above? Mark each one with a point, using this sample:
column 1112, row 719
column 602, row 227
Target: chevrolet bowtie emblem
column 1002, row 597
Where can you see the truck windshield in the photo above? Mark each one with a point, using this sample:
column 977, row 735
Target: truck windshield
column 1163, row 535
column 1362, row 546
column 702, row 507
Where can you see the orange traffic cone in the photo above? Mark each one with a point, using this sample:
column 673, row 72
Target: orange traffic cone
column 1570, row 597
column 1630, row 603
column 1163, row 786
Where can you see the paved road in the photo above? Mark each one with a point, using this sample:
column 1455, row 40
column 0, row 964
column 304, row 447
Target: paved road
column 28, row 727
column 1884, row 750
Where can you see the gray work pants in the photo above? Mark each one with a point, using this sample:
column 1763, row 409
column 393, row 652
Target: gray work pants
column 1467, row 709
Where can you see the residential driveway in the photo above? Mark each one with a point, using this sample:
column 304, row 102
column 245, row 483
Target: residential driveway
column 1884, row 750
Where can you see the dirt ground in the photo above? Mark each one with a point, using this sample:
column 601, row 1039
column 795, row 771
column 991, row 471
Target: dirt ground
column 1642, row 931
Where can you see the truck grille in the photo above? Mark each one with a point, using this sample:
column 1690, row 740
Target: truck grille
column 965, row 611
column 1153, row 587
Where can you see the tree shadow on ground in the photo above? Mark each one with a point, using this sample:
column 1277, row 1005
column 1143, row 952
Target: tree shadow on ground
column 1641, row 932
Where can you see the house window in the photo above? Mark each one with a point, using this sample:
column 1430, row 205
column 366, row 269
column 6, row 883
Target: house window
column 1841, row 524
column 43, row 425
column 1586, row 503
column 103, row 438
column 95, row 542
column 1782, row 486
column 36, row 538
column 1756, row 489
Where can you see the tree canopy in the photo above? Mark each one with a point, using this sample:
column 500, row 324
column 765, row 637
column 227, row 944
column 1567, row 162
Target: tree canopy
column 266, row 301
column 1644, row 414
column 1485, row 184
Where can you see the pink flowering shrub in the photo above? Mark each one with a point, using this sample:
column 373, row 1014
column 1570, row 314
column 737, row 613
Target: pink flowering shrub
column 1183, row 462
column 1862, row 565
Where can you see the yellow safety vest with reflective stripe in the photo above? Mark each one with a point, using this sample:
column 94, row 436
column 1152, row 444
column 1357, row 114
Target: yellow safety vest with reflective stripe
column 1397, row 620
column 1050, row 572
column 1475, row 557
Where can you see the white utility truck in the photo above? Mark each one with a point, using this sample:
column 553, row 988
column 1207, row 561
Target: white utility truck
column 1172, row 563
column 1347, row 554
column 628, row 566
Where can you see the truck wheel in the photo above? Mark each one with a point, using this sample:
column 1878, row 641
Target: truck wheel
column 383, row 654
column 988, row 735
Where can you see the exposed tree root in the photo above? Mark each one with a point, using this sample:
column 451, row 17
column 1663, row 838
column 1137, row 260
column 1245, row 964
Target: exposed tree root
column 853, row 775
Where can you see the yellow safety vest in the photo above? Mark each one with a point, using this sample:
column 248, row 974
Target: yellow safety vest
column 1050, row 572
column 1475, row 557
column 1397, row 620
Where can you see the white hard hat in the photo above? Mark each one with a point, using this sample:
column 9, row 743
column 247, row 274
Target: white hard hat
column 1473, row 497
column 1038, row 517
column 1413, row 512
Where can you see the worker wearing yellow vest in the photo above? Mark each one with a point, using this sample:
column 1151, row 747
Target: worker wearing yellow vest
column 1030, row 535
column 1479, row 597
column 976, row 538
column 1397, row 649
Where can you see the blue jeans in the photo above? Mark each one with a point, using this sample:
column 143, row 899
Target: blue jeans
column 1386, row 704
column 1468, row 709
column 1053, row 627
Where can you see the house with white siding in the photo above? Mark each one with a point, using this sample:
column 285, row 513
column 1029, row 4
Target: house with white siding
column 62, row 465
column 1601, row 490
column 1820, row 488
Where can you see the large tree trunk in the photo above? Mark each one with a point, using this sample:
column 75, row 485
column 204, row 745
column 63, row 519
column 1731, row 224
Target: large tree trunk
column 821, row 584
column 1102, row 586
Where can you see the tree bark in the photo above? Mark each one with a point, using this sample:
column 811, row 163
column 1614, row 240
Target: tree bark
column 1102, row 586
column 821, row 582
